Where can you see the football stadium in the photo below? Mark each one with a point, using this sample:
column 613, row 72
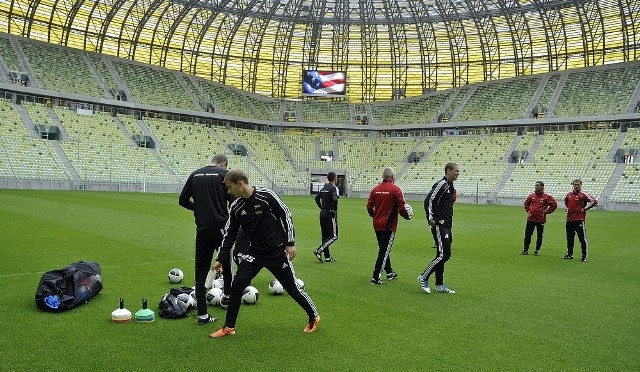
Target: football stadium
column 107, row 106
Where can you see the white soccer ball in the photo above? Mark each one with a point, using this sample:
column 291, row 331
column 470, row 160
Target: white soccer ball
column 250, row 295
column 218, row 283
column 194, row 300
column 409, row 211
column 300, row 283
column 185, row 299
column 275, row 287
column 214, row 296
column 175, row 276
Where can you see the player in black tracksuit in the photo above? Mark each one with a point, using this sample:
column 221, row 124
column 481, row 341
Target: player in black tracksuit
column 438, row 206
column 206, row 195
column 267, row 222
column 327, row 201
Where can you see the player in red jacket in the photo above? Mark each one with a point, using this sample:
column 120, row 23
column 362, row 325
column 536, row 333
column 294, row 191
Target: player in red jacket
column 577, row 203
column 538, row 205
column 385, row 202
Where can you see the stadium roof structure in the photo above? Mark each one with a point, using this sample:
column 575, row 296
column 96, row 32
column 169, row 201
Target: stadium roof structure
column 389, row 49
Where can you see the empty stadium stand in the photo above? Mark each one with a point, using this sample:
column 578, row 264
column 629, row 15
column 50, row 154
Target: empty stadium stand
column 100, row 147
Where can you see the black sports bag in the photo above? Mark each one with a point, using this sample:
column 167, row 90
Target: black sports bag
column 71, row 286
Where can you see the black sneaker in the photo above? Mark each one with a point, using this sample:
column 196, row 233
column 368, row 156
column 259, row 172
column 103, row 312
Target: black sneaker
column 376, row 281
column 583, row 259
column 318, row 256
column 329, row 259
column 224, row 302
column 392, row 275
column 567, row 257
column 535, row 253
column 207, row 320
column 524, row 253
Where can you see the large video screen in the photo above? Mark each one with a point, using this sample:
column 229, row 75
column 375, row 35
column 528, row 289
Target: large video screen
column 323, row 83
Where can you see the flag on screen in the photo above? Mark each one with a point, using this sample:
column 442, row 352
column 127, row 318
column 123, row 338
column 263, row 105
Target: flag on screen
column 323, row 82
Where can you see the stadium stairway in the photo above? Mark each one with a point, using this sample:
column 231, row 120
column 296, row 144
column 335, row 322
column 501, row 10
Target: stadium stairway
column 287, row 152
column 117, row 78
column 26, row 121
column 165, row 166
column 215, row 135
column 505, row 176
column 556, row 94
column 635, row 98
column 56, row 121
column 197, row 83
column 153, row 152
column 616, row 145
column 336, row 153
column 125, row 131
column 613, row 182
column 514, row 145
column 4, row 71
column 237, row 139
column 189, row 91
column 445, row 107
column 367, row 108
column 536, row 96
column 33, row 79
column 431, row 149
column 534, row 148
column 317, row 149
column 96, row 75
column 463, row 102
column 257, row 169
column 147, row 132
column 408, row 164
column 73, row 175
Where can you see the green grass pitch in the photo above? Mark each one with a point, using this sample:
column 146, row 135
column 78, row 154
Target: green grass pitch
column 510, row 312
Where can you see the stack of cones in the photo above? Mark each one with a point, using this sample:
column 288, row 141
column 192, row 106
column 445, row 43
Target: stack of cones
column 145, row 314
column 121, row 314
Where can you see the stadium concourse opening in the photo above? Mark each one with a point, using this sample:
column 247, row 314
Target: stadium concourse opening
column 319, row 178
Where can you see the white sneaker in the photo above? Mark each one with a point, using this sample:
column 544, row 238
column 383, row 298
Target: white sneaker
column 444, row 289
column 424, row 284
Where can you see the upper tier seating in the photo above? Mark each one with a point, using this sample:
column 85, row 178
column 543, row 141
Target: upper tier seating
column 499, row 100
column 61, row 69
column 598, row 91
column 154, row 86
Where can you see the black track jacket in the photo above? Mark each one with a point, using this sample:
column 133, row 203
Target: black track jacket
column 265, row 219
column 210, row 197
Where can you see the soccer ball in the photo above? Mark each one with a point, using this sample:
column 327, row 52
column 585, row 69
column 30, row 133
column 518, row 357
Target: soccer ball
column 175, row 276
column 300, row 284
column 214, row 296
column 275, row 287
column 185, row 299
column 250, row 295
column 218, row 283
column 194, row 300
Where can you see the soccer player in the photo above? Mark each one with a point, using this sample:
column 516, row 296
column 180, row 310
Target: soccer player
column 538, row 205
column 206, row 195
column 577, row 203
column 267, row 222
column 385, row 202
column 327, row 201
column 439, row 208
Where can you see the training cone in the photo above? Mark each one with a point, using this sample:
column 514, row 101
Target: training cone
column 144, row 314
column 121, row 314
